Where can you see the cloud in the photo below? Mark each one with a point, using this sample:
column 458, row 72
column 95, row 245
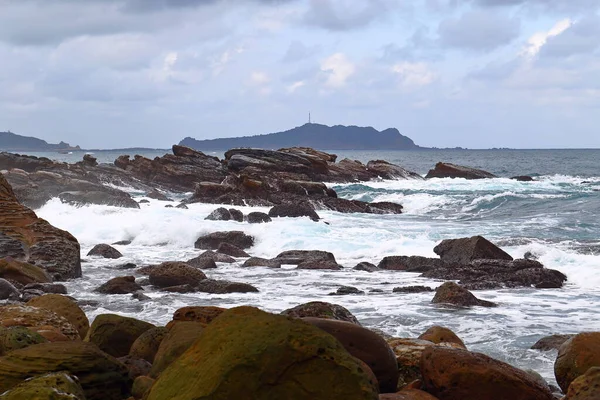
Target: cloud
column 414, row 74
column 478, row 30
column 343, row 15
column 539, row 39
column 337, row 69
column 298, row 51
column 578, row 38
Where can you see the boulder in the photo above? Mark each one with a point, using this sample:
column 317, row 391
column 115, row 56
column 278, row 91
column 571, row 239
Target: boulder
column 256, row 217
column 213, row 240
column 408, row 357
column 295, row 257
column 552, row 342
column 174, row 274
column 32, row 317
column 18, row 337
column 27, row 238
column 220, row 214
column 114, row 334
column 50, row 333
column 294, row 210
column 247, row 353
column 447, row 170
column 136, row 366
column 236, row 215
column 221, row 287
column 201, row 262
column 104, row 250
column 455, row 374
column 146, row 345
column 66, row 307
column 178, row 339
column 412, row 289
column 575, row 357
column 465, row 250
column 156, row 195
column 320, row 309
column 365, row 345
column 101, row 376
column 22, row 272
column 439, row 334
column 454, row 294
column 141, row 386
column 216, row 257
column 343, row 290
column 119, row 285
column 261, row 262
column 201, row 314
column 320, row 264
column 57, row 288
column 366, row 266
column 586, row 386
column 409, row 263
column 54, row 386
column 231, row 250
column 8, row 290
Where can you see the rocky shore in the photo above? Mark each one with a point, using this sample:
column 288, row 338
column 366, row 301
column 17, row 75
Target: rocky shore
column 49, row 348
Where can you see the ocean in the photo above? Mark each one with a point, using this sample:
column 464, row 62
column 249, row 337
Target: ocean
column 555, row 218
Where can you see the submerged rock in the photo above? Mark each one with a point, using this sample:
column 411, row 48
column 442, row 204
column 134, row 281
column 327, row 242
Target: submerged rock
column 213, row 240
column 344, row 290
column 366, row 266
column 412, row 289
column 409, row 263
column 454, row 294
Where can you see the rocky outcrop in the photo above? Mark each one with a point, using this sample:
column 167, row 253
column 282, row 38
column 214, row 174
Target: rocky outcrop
column 25, row 237
column 465, row 250
column 575, row 357
column 447, row 170
column 454, row 294
column 320, row 309
column 234, row 361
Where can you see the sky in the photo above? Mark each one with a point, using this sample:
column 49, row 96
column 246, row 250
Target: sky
column 446, row 73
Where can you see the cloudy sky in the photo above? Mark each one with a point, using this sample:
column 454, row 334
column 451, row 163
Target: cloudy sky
column 470, row 73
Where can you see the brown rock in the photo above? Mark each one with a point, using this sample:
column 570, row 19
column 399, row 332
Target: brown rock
column 53, row 386
column 31, row 317
column 408, row 356
column 50, row 333
column 217, row 257
column 320, row 264
column 320, row 309
column 365, row 345
column 585, row 387
column 105, row 250
column 231, row 250
column 294, row 210
column 575, row 357
column 136, row 366
column 454, row 374
column 18, row 337
column 66, row 307
column 178, row 339
column 552, row 342
column 219, row 286
column 21, row 272
column 175, row 274
column 146, row 345
column 454, row 294
column 202, row 314
column 114, row 334
column 204, row 262
column 295, row 257
column 119, row 285
column 439, row 334
column 141, row 385
column 261, row 262
column 213, row 240
column 409, row 263
column 465, row 250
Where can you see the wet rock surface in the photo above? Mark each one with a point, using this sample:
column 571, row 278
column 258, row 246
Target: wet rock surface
column 448, row 170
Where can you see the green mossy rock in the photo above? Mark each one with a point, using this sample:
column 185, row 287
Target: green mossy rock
column 18, row 337
column 114, row 334
column 249, row 354
column 179, row 338
column 141, row 385
column 575, row 357
column 101, row 376
column 146, row 345
column 66, row 307
column 55, row 386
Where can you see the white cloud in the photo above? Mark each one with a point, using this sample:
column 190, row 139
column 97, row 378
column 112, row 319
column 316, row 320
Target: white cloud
column 258, row 78
column 539, row 39
column 338, row 69
column 295, row 86
column 414, row 74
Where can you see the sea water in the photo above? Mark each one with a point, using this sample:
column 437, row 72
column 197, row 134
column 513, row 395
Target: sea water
column 555, row 218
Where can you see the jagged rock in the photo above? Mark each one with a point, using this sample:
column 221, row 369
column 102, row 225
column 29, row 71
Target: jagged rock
column 258, row 218
column 366, row 266
column 454, row 294
column 219, row 287
column 552, row 342
column 114, row 334
column 119, row 285
column 320, row 309
column 409, row 263
column 294, row 211
column 105, row 197
column 465, row 250
column 522, row 178
column 447, row 170
column 27, row 238
column 105, row 251
column 262, row 262
column 240, row 343
column 231, row 250
column 412, row 289
column 213, row 240
column 66, row 307
column 386, row 170
column 575, row 357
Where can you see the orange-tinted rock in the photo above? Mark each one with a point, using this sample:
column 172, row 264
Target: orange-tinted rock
column 202, row 314
column 585, row 387
column 22, row 272
column 177, row 340
column 408, row 356
column 439, row 334
column 454, row 374
column 576, row 356
column 32, row 317
column 65, row 307
column 146, row 345
column 453, row 294
column 50, row 333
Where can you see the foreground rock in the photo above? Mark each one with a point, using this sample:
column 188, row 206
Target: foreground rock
column 146, row 345
column 18, row 337
column 575, row 357
column 66, row 307
column 320, row 309
column 453, row 374
column 453, row 294
column 447, row 170
column 178, row 339
column 213, row 240
column 365, row 345
column 465, row 250
column 36, row 318
column 115, row 334
column 55, row 386
column 101, row 376
column 408, row 357
column 22, row 273
column 585, row 387
column 202, row 314
column 439, row 334
column 233, row 361
column 25, row 237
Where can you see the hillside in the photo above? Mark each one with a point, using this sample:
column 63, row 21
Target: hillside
column 317, row 136
column 12, row 142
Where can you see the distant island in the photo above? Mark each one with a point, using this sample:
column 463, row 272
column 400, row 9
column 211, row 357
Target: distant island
column 317, row 136
column 12, row 142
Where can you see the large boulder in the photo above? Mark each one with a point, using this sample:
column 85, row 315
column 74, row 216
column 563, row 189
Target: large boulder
column 27, row 238
column 455, row 374
column 296, row 257
column 104, row 250
column 213, row 240
column 320, row 309
column 119, row 285
column 146, row 345
column 52, row 386
column 365, row 345
column 454, row 294
column 585, row 387
column 575, row 357
column 408, row 358
column 34, row 317
column 114, row 334
column 101, row 376
column 18, row 337
column 465, row 250
column 439, row 334
column 447, row 170
column 178, row 339
column 175, row 274
column 22, row 272
column 247, row 353
column 294, row 210
column 64, row 306
column 201, row 314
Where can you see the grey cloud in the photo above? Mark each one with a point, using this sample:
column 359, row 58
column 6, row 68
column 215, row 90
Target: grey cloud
column 495, row 71
column 478, row 30
column 581, row 38
column 418, row 45
column 545, row 5
column 327, row 15
column 298, row 51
